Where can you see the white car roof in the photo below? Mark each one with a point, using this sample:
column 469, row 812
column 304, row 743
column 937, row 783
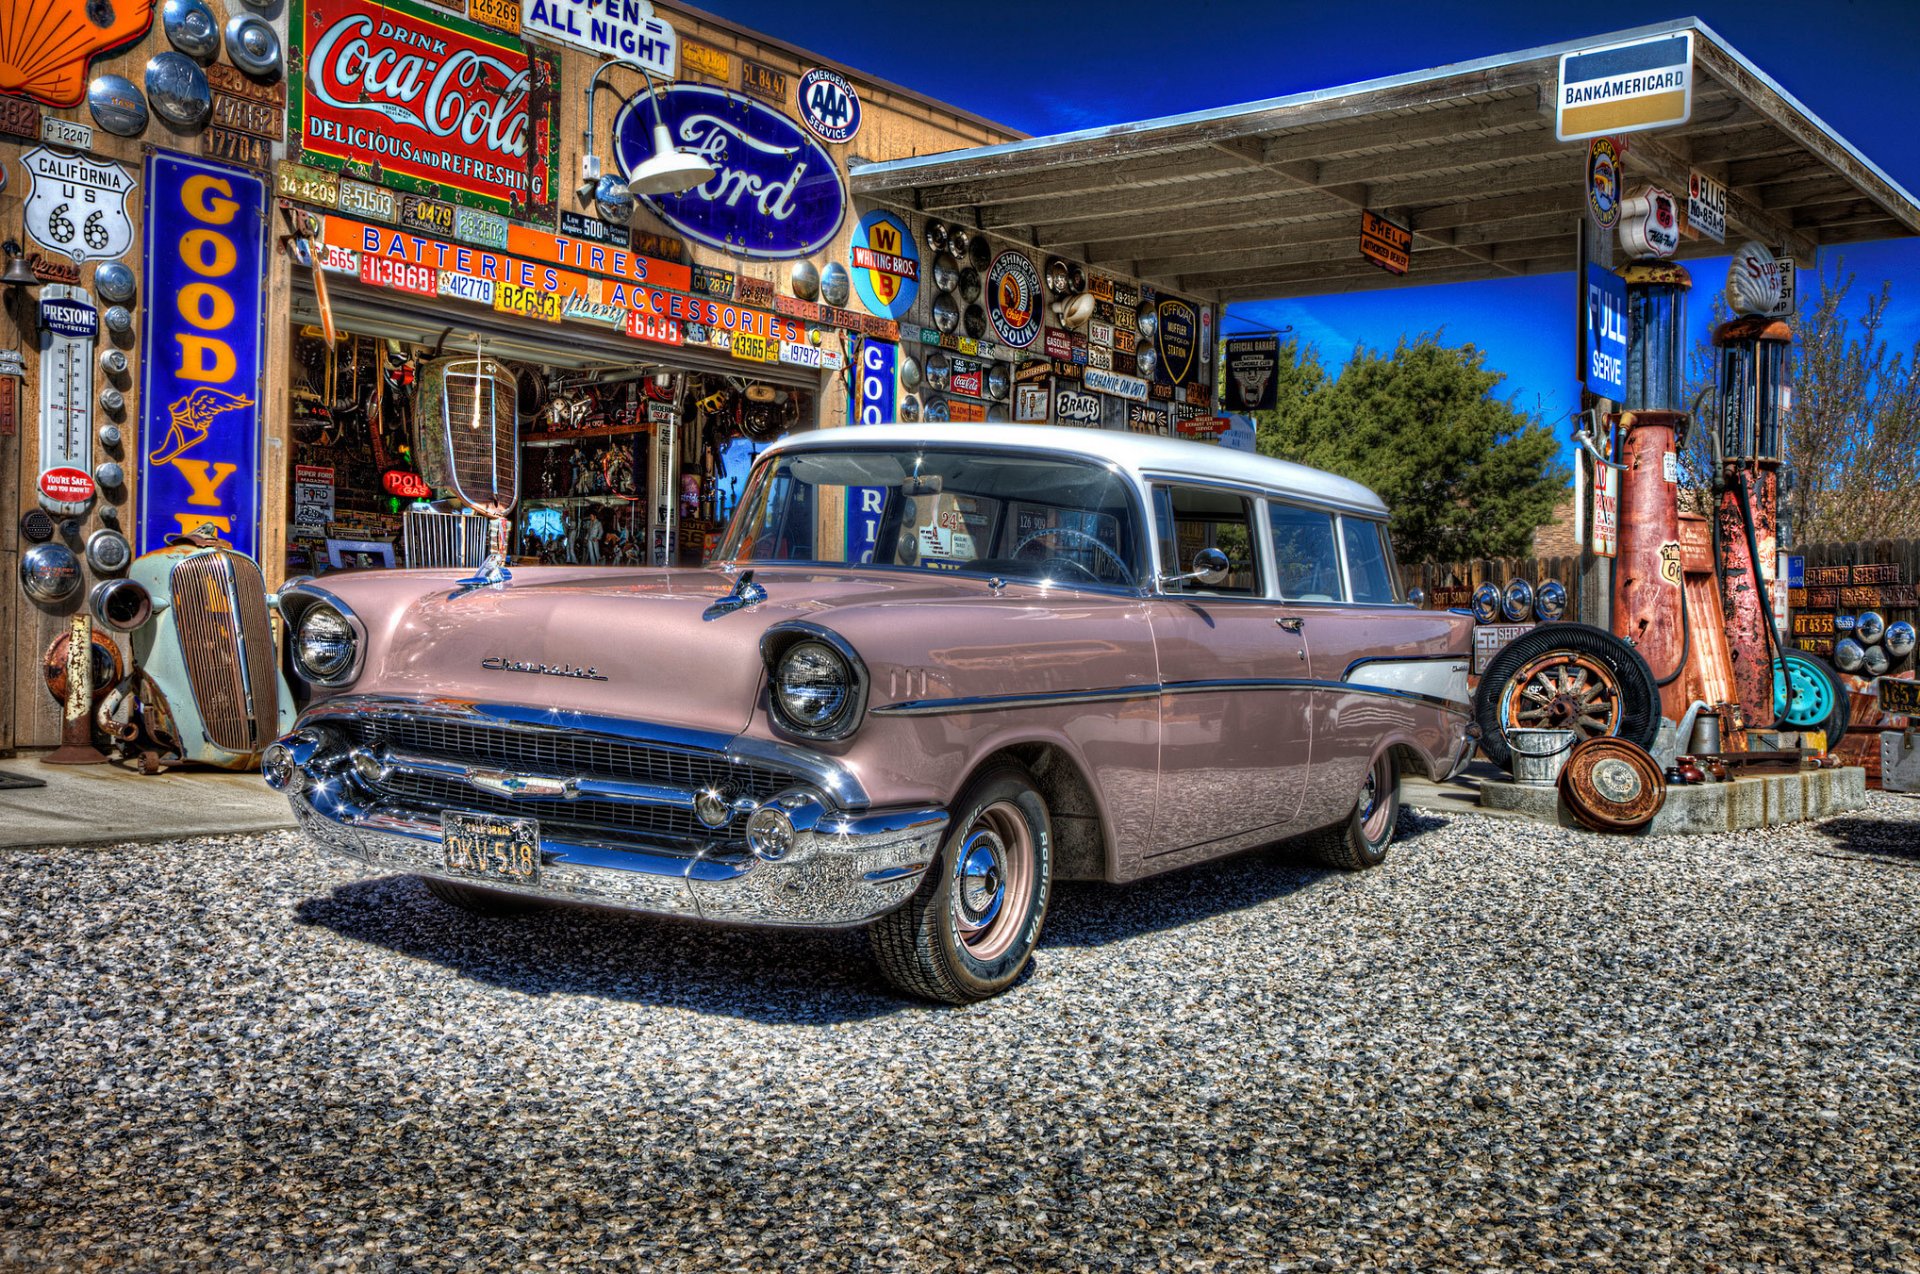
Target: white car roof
column 1143, row 454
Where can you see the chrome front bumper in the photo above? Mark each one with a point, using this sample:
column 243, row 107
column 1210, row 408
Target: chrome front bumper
column 844, row 868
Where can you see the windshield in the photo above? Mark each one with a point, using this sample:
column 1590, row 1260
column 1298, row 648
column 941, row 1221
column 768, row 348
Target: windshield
column 1012, row 515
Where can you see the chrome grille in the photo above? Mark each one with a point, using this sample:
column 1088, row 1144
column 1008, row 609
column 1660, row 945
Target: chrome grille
column 480, row 413
column 226, row 640
column 444, row 539
column 553, row 752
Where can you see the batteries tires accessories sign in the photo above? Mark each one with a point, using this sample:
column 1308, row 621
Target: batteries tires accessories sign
column 1013, row 294
column 828, row 106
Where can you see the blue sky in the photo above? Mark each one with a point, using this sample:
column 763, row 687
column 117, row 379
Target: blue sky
column 1053, row 67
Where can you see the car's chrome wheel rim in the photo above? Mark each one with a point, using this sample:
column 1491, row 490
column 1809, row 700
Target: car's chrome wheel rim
column 992, row 881
column 1376, row 804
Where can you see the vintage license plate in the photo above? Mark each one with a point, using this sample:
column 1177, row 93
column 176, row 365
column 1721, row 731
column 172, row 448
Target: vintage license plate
column 1488, row 640
column 65, row 132
column 1898, row 696
column 491, row 848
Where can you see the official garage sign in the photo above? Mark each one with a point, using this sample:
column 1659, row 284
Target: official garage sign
column 1013, row 295
column 886, row 265
column 433, row 103
column 777, row 194
column 828, row 105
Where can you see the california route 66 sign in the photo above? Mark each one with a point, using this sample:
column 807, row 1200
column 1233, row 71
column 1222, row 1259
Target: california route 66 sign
column 79, row 205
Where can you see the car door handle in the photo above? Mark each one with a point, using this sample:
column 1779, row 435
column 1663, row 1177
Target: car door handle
column 1292, row 623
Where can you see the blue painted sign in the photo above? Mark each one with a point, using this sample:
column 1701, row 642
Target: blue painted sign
column 777, row 194
column 1796, row 571
column 828, row 105
column 865, row 507
column 886, row 265
column 70, row 318
column 877, row 359
column 205, row 238
column 1606, row 352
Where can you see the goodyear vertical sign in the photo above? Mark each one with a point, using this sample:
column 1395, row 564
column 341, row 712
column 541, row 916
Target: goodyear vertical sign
column 200, row 351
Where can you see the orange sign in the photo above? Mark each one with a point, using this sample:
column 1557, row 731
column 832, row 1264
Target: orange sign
column 1385, row 244
column 46, row 47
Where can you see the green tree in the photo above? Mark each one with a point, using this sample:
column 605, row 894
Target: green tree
column 1465, row 474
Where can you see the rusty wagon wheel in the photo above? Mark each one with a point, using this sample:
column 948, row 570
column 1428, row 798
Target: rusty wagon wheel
column 1566, row 677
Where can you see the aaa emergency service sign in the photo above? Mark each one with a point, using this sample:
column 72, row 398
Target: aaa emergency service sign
column 426, row 102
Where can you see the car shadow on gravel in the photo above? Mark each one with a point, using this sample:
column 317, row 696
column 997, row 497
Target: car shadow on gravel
column 1090, row 914
column 780, row 976
column 1894, row 839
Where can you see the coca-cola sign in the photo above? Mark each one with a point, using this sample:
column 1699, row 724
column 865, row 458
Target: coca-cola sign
column 426, row 102
column 777, row 193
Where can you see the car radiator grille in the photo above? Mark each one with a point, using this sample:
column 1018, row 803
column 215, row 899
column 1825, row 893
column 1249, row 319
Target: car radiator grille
column 226, row 637
column 567, row 756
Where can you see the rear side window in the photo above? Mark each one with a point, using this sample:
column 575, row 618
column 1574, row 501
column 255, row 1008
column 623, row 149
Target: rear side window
column 1369, row 570
column 1305, row 554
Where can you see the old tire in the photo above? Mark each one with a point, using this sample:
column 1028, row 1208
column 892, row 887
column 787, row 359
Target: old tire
column 478, row 901
column 970, row 929
column 1566, row 676
column 1361, row 839
column 1811, row 696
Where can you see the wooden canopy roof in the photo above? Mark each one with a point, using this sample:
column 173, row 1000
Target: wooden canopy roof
column 1262, row 200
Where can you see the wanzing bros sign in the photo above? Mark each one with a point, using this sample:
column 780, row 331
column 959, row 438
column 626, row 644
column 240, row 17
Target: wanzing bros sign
column 200, row 356
column 426, row 102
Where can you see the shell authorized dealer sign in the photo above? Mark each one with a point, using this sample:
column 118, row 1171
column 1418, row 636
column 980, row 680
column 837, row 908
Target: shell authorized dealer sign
column 443, row 106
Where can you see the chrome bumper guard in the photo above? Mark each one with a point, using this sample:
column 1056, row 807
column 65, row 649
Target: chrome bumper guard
column 843, row 868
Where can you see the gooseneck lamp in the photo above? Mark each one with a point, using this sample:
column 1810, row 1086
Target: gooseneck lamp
column 668, row 171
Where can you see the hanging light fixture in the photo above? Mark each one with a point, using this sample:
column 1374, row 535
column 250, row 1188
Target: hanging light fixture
column 668, row 171
column 19, row 270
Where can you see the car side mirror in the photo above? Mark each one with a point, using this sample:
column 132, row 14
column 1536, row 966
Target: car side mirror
column 1418, row 597
column 1210, row 567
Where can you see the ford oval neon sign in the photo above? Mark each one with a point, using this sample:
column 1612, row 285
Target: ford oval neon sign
column 777, row 193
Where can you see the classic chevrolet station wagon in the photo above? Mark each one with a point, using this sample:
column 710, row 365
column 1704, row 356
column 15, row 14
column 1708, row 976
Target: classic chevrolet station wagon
column 933, row 670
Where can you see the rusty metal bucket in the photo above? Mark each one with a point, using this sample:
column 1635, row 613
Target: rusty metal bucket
column 1539, row 754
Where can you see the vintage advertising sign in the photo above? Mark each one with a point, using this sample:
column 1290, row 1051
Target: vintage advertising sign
column 828, row 105
column 1603, row 182
column 1606, row 513
column 1650, row 224
column 72, row 317
column 1073, row 405
column 1251, row 384
column 778, row 194
column 78, row 205
column 1387, row 245
column 878, row 360
column 1013, row 299
column 205, row 238
column 1177, row 335
column 1754, row 281
column 1606, row 353
column 426, row 102
column 622, row 29
column 591, row 229
column 1490, row 639
column 1625, row 88
column 1706, row 207
column 886, row 265
column 1116, row 384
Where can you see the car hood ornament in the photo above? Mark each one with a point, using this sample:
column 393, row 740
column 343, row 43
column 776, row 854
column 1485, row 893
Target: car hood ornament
column 745, row 593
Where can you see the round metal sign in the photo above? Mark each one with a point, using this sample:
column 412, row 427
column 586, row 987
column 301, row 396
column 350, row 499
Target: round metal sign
column 177, row 89
column 192, row 28
column 253, row 46
column 886, row 265
column 117, row 105
column 113, row 280
column 1013, row 292
column 108, row 552
column 50, row 573
column 1612, row 785
column 828, row 105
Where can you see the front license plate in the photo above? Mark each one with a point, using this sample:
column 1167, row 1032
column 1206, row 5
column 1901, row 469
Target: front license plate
column 506, row 849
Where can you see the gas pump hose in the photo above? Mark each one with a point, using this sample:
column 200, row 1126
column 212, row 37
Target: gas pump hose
column 1779, row 665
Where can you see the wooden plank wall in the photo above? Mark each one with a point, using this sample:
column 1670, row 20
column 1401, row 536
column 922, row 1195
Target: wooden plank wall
column 1497, row 570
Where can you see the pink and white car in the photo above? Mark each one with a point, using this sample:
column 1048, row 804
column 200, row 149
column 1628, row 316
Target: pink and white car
column 934, row 670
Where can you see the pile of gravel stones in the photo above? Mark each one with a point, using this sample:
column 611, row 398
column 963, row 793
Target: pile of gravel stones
column 1510, row 1047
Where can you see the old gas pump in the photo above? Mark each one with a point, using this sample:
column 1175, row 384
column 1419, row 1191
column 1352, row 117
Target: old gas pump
column 1649, row 609
column 1753, row 388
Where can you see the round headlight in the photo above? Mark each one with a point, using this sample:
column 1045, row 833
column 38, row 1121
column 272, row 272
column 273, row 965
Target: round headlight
column 812, row 685
column 323, row 648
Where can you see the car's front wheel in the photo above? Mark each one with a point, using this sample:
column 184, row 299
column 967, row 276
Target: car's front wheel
column 971, row 927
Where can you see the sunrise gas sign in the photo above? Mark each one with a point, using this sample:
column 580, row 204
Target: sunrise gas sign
column 1625, row 88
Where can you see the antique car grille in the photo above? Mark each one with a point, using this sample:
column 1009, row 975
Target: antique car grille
column 473, row 444
column 443, row 539
column 564, row 755
column 226, row 637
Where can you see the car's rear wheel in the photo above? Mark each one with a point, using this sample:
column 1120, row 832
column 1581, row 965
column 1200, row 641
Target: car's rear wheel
column 970, row 929
column 478, row 901
column 1361, row 840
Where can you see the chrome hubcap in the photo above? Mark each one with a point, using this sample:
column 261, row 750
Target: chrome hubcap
column 982, row 882
column 1368, row 797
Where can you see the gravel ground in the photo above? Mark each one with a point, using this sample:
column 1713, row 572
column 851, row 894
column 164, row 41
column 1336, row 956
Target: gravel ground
column 1510, row 1047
